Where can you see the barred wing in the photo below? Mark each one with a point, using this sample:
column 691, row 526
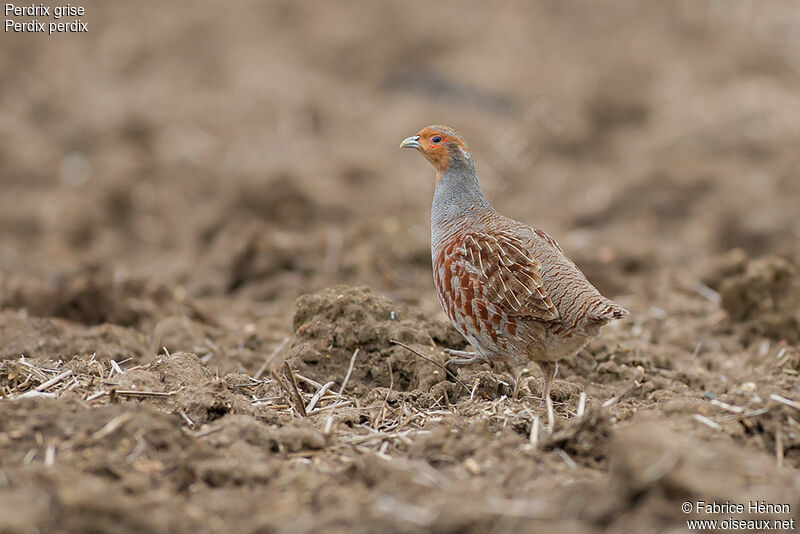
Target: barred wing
column 510, row 277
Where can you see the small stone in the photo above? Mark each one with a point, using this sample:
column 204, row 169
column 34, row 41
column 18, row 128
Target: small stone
column 471, row 465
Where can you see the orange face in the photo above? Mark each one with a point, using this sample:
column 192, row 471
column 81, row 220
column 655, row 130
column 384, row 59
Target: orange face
column 435, row 142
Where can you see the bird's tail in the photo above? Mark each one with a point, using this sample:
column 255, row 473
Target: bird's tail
column 607, row 310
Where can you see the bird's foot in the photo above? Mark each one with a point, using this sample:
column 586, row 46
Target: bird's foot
column 464, row 358
column 464, row 353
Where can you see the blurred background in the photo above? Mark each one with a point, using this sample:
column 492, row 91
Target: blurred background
column 250, row 148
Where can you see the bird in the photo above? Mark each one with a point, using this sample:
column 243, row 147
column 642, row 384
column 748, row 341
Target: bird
column 507, row 287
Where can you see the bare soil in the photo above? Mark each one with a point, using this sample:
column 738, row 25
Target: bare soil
column 205, row 222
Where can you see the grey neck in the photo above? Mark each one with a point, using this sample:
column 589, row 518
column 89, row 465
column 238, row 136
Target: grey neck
column 457, row 197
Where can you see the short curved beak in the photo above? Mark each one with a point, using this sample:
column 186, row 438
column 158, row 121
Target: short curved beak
column 411, row 142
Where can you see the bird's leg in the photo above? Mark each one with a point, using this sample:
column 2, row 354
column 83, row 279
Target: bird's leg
column 549, row 370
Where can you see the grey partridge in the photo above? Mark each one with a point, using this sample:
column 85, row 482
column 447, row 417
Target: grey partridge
column 507, row 287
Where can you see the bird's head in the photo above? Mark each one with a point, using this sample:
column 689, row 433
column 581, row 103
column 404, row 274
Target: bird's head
column 440, row 145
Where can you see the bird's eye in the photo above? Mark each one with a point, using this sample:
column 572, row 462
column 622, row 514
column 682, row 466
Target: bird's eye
column 436, row 139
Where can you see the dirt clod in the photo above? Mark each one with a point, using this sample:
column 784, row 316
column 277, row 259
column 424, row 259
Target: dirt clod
column 765, row 298
column 334, row 323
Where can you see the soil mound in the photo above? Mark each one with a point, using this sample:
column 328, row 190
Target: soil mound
column 332, row 324
column 763, row 296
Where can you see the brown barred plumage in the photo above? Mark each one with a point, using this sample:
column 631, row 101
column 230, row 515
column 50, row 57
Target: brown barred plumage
column 506, row 286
